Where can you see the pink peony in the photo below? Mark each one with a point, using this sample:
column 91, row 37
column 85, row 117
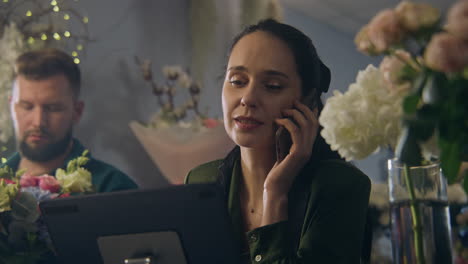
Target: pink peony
column 446, row 53
column 457, row 19
column 210, row 123
column 414, row 16
column 28, row 180
column 49, row 183
column 385, row 30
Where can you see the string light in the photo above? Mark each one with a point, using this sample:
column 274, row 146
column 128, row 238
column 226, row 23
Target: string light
column 76, row 61
column 74, row 54
column 56, row 9
column 57, row 36
column 31, row 40
column 79, row 47
column 54, row 3
column 66, row 17
column 85, row 20
column 44, row 37
column 28, row 13
column 66, row 34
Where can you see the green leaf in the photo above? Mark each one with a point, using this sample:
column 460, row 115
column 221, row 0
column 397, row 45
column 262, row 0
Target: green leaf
column 421, row 129
column 410, row 103
column 450, row 159
column 408, row 150
column 407, row 73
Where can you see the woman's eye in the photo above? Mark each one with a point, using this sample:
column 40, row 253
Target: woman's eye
column 273, row 86
column 237, row 82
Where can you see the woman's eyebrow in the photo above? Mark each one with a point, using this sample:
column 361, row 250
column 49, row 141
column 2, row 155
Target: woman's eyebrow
column 276, row 73
column 266, row 72
column 238, row 68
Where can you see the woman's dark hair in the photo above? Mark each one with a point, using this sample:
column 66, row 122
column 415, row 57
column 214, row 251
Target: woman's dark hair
column 315, row 76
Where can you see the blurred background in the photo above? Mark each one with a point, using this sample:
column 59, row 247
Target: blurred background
column 196, row 34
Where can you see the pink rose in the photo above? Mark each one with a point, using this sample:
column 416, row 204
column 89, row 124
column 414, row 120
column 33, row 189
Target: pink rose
column 414, row 16
column 28, row 180
column 210, row 123
column 49, row 183
column 385, row 30
column 363, row 42
column 8, row 181
column 391, row 68
column 64, row 195
column 446, row 53
column 457, row 19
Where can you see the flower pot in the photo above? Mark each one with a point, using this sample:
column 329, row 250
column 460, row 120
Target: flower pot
column 420, row 220
column 176, row 150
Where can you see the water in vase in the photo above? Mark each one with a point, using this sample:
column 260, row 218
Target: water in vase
column 435, row 221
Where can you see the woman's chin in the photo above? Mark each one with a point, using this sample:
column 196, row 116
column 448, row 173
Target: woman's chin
column 252, row 142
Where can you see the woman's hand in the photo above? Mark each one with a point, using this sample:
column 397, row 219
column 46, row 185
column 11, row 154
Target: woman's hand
column 303, row 131
column 279, row 180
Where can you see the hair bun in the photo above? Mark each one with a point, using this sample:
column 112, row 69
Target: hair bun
column 325, row 77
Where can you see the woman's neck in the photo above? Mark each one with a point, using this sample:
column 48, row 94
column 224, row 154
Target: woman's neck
column 255, row 165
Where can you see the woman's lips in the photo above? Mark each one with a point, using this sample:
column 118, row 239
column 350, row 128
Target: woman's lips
column 247, row 123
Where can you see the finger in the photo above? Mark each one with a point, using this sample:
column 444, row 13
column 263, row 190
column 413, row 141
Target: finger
column 291, row 127
column 297, row 117
column 308, row 113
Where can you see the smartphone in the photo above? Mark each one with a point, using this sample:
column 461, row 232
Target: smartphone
column 282, row 136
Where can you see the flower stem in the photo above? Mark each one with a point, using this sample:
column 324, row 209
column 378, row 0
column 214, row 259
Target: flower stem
column 418, row 241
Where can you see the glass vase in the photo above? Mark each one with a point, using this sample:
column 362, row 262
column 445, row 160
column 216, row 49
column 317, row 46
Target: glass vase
column 419, row 214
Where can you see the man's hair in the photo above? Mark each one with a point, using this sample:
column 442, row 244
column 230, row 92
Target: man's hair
column 46, row 63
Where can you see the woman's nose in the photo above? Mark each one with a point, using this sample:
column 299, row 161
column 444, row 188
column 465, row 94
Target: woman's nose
column 250, row 97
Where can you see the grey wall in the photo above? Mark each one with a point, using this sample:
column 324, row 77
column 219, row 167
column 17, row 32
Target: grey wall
column 113, row 89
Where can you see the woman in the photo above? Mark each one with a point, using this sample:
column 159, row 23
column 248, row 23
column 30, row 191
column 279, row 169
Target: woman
column 309, row 207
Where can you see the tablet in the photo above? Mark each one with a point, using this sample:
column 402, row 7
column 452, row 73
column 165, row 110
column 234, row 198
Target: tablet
column 178, row 224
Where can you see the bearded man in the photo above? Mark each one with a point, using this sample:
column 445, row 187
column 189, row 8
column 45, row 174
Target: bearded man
column 45, row 106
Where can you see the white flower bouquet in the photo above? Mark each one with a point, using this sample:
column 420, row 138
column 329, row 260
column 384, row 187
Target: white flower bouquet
column 178, row 138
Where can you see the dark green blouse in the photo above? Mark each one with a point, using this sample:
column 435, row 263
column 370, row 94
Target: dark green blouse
column 327, row 213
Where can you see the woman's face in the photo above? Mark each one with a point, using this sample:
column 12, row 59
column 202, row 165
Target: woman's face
column 261, row 80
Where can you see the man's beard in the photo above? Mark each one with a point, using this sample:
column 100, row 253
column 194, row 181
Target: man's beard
column 47, row 152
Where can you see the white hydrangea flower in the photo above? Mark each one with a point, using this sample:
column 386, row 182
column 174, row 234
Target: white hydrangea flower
column 365, row 118
column 11, row 46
